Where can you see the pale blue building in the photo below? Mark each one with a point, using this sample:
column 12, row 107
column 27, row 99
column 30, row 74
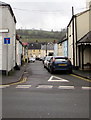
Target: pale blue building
column 64, row 44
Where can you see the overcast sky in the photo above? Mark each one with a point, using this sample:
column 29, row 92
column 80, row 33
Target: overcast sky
column 45, row 14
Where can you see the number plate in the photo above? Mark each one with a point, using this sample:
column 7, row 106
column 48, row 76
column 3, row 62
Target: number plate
column 62, row 64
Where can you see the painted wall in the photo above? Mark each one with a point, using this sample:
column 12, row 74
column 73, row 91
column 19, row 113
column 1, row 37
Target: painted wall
column 90, row 19
column 8, row 51
column 60, row 49
column 34, row 53
column 55, row 49
column 0, row 39
column 82, row 25
column 64, row 48
column 70, row 42
column 87, row 3
column 18, row 53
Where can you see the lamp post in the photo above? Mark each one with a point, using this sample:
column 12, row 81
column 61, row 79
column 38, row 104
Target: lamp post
column 46, row 48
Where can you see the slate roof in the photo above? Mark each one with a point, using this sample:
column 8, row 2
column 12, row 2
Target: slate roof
column 86, row 38
column 63, row 39
column 35, row 45
column 48, row 47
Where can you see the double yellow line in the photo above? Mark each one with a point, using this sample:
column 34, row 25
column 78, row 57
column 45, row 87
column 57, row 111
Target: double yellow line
column 15, row 83
column 88, row 80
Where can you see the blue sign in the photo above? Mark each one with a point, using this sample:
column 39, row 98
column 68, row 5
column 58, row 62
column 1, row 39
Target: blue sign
column 6, row 40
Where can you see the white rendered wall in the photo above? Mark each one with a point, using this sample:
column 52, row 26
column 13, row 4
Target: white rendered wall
column 8, row 57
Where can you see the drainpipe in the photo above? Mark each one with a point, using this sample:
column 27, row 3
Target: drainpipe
column 76, row 40
column 67, row 41
column 73, row 37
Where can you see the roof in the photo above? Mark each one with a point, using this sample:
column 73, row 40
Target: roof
column 60, row 57
column 3, row 3
column 76, row 15
column 25, row 43
column 10, row 9
column 85, row 39
column 34, row 46
column 48, row 47
column 63, row 39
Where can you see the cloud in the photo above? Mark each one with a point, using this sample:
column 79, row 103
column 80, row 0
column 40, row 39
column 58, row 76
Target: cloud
column 45, row 14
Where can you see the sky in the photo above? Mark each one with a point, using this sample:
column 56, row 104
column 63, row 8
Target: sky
column 45, row 14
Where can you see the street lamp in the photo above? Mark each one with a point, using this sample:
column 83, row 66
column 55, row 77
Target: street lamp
column 46, row 48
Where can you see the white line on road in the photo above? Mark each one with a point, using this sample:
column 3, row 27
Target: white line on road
column 63, row 80
column 44, row 86
column 66, row 87
column 58, row 79
column 4, row 86
column 23, row 86
column 86, row 88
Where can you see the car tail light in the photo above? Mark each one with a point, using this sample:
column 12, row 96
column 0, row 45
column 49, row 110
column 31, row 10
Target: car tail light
column 69, row 61
column 53, row 60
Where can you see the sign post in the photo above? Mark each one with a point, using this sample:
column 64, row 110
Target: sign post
column 7, row 41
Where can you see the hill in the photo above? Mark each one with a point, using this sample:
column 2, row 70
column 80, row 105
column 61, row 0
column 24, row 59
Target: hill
column 28, row 35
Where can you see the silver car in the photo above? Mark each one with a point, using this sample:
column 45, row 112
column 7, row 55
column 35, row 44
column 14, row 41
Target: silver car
column 31, row 59
column 46, row 61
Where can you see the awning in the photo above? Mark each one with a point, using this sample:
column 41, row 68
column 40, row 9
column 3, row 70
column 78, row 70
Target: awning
column 85, row 40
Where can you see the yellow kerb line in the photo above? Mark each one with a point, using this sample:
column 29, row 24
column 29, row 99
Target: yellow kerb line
column 88, row 80
column 22, row 81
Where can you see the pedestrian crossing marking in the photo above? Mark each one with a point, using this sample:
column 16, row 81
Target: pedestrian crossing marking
column 70, row 87
column 58, row 79
column 66, row 87
column 44, row 86
column 4, row 86
column 86, row 88
column 23, row 86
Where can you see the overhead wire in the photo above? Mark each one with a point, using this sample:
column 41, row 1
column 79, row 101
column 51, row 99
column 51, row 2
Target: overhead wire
column 46, row 11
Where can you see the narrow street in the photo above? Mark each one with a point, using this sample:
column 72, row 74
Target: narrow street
column 46, row 95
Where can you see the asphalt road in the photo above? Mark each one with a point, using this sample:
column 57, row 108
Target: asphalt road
column 46, row 95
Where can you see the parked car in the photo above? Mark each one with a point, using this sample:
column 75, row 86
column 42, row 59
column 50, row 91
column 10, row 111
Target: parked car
column 40, row 59
column 31, row 59
column 46, row 61
column 43, row 59
column 59, row 63
column 37, row 58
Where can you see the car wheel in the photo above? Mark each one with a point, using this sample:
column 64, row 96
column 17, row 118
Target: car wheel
column 51, row 71
column 70, row 71
column 48, row 70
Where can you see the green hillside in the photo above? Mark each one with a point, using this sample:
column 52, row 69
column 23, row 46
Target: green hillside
column 28, row 35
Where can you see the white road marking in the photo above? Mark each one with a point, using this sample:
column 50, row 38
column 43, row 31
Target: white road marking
column 86, row 88
column 58, row 79
column 4, row 86
column 66, row 87
column 44, row 86
column 23, row 86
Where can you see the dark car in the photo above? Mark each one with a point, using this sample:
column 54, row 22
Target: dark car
column 60, row 63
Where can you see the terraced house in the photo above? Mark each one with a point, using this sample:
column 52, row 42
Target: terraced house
column 7, row 37
column 79, row 39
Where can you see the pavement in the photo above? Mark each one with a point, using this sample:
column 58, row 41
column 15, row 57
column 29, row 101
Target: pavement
column 17, row 75
column 83, row 73
column 14, row 76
